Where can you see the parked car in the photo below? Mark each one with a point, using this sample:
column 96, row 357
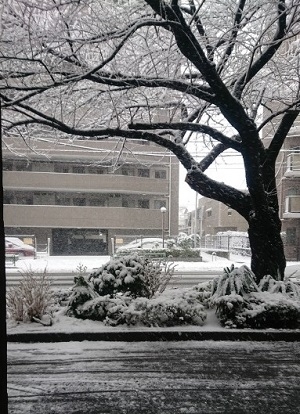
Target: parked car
column 14, row 245
column 144, row 243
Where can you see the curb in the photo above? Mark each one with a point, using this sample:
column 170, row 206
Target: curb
column 140, row 336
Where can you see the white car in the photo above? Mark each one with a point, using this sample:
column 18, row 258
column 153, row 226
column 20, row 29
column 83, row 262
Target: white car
column 144, row 243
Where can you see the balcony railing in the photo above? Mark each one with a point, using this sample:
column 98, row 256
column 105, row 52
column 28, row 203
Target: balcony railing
column 45, row 181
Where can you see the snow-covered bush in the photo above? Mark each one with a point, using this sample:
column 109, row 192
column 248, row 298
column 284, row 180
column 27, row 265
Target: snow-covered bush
column 229, row 310
column 241, row 303
column 170, row 312
column 169, row 309
column 238, row 281
column 258, row 310
column 105, row 308
column 204, row 292
column 269, row 284
column 134, row 274
column 82, row 292
column 31, row 299
column 61, row 298
column 272, row 310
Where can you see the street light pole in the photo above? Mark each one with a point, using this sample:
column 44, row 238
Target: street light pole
column 163, row 212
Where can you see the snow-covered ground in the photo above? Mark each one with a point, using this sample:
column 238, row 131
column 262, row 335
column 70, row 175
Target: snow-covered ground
column 62, row 323
column 71, row 263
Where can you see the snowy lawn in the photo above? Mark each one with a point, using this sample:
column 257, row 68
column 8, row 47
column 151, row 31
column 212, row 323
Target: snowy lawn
column 63, row 323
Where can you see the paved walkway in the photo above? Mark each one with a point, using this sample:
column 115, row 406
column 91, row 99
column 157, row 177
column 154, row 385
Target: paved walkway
column 195, row 377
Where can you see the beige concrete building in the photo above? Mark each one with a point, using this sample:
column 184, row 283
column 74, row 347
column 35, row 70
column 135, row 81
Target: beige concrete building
column 288, row 184
column 213, row 217
column 82, row 195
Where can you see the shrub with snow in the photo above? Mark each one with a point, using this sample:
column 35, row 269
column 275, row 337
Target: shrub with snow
column 132, row 274
column 105, row 308
column 204, row 292
column 169, row 309
column 238, row 281
column 171, row 312
column 289, row 288
column 241, row 303
column 31, row 299
column 82, row 292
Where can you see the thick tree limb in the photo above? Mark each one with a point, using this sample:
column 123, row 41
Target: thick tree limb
column 283, row 129
column 238, row 200
column 212, row 156
column 190, row 126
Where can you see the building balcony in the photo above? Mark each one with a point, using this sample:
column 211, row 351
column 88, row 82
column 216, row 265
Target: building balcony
column 293, row 165
column 292, row 207
column 106, row 183
column 16, row 215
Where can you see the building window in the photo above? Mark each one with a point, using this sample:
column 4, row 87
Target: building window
column 78, row 169
column 8, row 197
column 23, row 166
column 7, row 165
column 209, row 212
column 61, row 168
column 127, row 171
column 97, row 202
column 43, row 199
column 160, row 174
column 96, row 170
column 143, row 204
column 42, row 166
column 24, row 199
column 158, row 204
column 128, row 202
column 79, row 201
column 143, row 172
column 229, row 212
column 62, row 200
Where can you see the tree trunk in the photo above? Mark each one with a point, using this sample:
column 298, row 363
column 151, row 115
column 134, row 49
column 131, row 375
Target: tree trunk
column 266, row 246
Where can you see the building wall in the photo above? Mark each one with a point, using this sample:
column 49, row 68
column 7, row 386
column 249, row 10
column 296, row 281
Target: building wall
column 216, row 217
column 90, row 188
column 213, row 217
column 289, row 192
column 288, row 185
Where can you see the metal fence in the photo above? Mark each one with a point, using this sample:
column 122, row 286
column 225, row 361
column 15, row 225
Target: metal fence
column 232, row 242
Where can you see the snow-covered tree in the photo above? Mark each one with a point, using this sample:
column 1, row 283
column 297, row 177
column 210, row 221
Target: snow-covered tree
column 225, row 71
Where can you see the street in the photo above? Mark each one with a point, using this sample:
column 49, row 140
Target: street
column 182, row 278
column 154, row 377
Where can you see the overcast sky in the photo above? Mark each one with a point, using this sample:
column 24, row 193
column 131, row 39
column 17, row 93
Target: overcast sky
column 230, row 171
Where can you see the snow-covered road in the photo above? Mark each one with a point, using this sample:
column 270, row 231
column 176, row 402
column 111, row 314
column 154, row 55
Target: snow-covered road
column 155, row 377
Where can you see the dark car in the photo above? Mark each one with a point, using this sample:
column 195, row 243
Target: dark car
column 14, row 245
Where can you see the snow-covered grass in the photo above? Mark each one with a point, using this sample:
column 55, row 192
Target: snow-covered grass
column 63, row 323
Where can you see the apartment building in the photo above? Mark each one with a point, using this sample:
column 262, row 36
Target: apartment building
column 83, row 196
column 288, row 185
column 213, row 217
